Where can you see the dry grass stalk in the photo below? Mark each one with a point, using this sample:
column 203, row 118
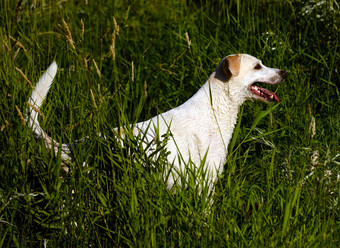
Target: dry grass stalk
column 97, row 69
column 68, row 35
column 309, row 109
column 85, row 63
column 314, row 159
column 112, row 47
column 3, row 126
column 75, row 124
column 24, row 77
column 17, row 12
column 19, row 44
column 35, row 3
column 132, row 72
column 93, row 100
column 312, row 125
column 116, row 25
column 100, row 93
column 20, row 115
column 115, row 92
column 82, row 29
column 5, row 42
column 187, row 39
column 104, row 34
column 36, row 109
column 16, row 53
column 145, row 89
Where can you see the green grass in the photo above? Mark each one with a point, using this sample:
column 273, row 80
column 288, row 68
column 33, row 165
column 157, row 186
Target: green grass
column 263, row 198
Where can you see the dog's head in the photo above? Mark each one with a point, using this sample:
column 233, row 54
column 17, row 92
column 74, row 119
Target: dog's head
column 243, row 73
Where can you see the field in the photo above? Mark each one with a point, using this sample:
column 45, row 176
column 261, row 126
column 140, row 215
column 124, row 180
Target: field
column 125, row 61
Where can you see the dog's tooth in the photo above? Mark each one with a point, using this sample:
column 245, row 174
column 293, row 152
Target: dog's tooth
column 271, row 96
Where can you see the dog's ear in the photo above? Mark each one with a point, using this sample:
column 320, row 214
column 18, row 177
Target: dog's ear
column 231, row 66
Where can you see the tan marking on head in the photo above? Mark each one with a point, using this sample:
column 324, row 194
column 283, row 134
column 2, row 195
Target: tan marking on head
column 231, row 65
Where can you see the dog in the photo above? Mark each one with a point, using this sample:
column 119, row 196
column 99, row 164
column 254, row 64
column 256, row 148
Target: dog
column 200, row 129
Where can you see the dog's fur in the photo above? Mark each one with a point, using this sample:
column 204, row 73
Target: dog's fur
column 200, row 127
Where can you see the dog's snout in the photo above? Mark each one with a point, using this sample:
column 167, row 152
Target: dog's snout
column 283, row 74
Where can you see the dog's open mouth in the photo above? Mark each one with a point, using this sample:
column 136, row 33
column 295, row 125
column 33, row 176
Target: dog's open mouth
column 264, row 94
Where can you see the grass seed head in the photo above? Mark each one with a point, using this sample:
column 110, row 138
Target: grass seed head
column 24, row 77
column 132, row 72
column 85, row 63
column 187, row 39
column 112, row 47
column 93, row 99
column 116, row 25
column 82, row 29
column 97, row 69
column 68, row 35
column 16, row 53
column 20, row 115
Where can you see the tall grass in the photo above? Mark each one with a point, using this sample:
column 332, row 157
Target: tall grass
column 125, row 61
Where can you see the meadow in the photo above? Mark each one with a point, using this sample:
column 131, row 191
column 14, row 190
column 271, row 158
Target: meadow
column 126, row 61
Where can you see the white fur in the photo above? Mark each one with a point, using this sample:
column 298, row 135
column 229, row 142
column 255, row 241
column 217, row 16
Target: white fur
column 203, row 125
column 39, row 94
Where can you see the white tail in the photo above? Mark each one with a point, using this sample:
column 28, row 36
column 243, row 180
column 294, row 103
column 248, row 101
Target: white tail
column 38, row 96
column 35, row 101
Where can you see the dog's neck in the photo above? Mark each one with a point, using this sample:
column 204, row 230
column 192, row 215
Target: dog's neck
column 224, row 108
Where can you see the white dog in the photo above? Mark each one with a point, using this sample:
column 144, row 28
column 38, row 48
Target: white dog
column 200, row 127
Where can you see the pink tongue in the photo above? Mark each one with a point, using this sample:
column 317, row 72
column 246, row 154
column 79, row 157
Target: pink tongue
column 264, row 93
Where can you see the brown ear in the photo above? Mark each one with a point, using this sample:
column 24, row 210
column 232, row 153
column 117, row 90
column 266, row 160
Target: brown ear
column 231, row 66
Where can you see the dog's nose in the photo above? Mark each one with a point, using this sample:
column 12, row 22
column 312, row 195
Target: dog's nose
column 283, row 74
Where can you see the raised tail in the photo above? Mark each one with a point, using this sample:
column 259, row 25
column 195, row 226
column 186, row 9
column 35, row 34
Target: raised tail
column 35, row 101
column 37, row 97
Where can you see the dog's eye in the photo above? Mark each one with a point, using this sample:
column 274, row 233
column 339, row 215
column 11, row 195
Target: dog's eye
column 257, row 67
